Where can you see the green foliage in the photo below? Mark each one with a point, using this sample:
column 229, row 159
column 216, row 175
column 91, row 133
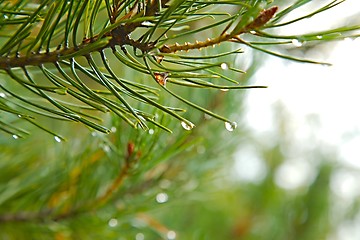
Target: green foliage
column 60, row 59
column 115, row 67
column 130, row 183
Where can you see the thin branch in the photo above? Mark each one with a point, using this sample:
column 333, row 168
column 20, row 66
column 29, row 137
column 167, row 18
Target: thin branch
column 260, row 21
column 51, row 57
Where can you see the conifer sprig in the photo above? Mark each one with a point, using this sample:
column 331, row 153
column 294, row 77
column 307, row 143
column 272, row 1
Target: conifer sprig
column 49, row 56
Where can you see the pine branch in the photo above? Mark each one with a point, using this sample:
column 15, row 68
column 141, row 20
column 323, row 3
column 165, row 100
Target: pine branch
column 259, row 21
column 46, row 38
column 81, row 60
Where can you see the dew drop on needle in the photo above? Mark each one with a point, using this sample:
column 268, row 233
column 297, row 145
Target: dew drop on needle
column 187, row 125
column 230, row 126
column 224, row 66
column 58, row 139
column 296, row 43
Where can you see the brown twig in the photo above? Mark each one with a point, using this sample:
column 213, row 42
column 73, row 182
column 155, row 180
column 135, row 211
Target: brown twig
column 37, row 59
column 120, row 36
column 260, row 21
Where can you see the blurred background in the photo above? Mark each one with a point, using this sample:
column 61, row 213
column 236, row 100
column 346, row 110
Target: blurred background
column 289, row 171
column 313, row 108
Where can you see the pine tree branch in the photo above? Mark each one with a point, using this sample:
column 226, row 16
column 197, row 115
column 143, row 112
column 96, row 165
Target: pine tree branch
column 50, row 33
column 118, row 36
column 259, row 21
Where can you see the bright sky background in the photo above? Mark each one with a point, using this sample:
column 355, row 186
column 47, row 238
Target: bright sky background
column 330, row 95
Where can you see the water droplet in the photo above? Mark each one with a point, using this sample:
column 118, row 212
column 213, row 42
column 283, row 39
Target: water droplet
column 139, row 236
column 94, row 134
column 253, row 32
column 147, row 24
column 19, row 115
column 187, row 125
column 3, row 95
column 151, row 131
column 113, row 129
column 15, row 136
column 224, row 66
column 296, row 43
column 230, row 126
column 224, row 89
column 162, row 197
column 113, row 222
column 58, row 139
column 171, row 235
column 319, row 37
